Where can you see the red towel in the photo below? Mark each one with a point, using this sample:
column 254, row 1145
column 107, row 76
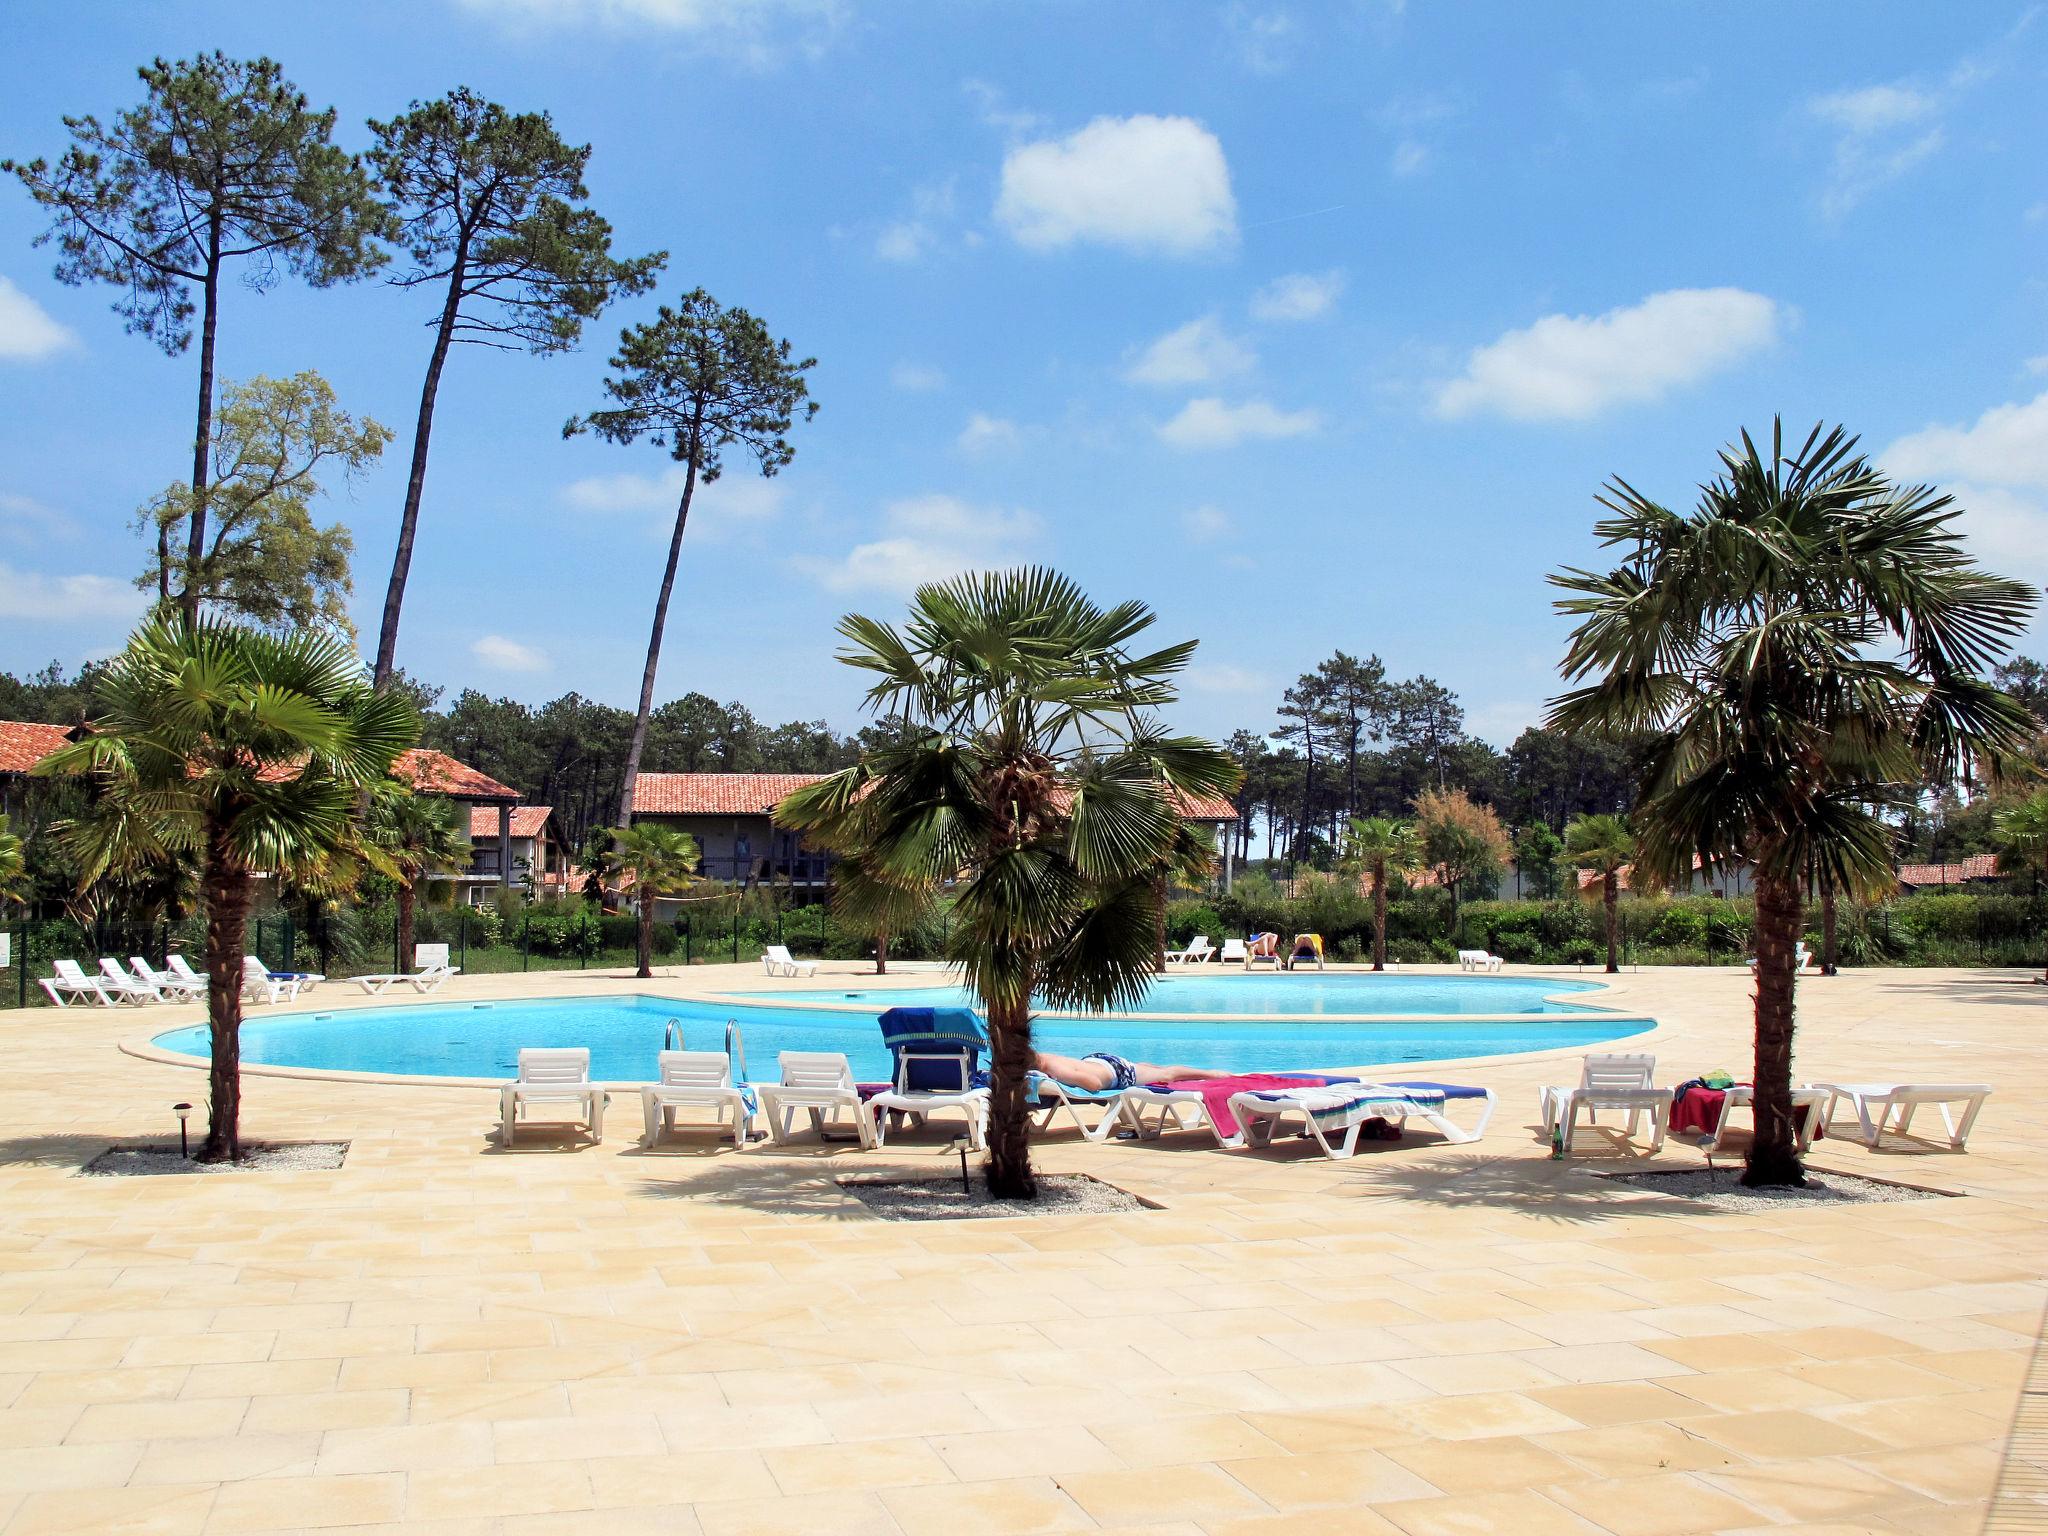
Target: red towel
column 1216, row 1091
column 1697, row 1111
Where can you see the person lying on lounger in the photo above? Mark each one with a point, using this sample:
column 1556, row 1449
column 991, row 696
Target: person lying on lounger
column 1101, row 1072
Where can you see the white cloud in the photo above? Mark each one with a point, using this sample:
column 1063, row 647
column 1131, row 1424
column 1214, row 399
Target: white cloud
column 1411, row 120
column 507, row 655
column 1222, row 677
column 1873, row 108
column 1411, row 157
column 45, row 598
column 727, row 505
column 2007, row 531
column 987, row 434
column 995, row 109
column 1205, row 524
column 1211, row 423
column 1264, row 40
column 1200, row 352
column 925, row 539
column 917, row 378
column 27, row 332
column 24, row 520
column 918, row 233
column 1297, row 296
column 1144, row 183
column 753, row 28
column 2007, row 445
column 1572, row 367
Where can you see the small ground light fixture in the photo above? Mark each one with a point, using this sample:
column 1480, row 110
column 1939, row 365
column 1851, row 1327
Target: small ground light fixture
column 960, row 1146
column 184, row 1112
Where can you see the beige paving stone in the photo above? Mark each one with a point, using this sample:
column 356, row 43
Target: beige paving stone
column 306, row 1503
column 180, row 1511
column 1637, row 1449
column 1481, row 1514
column 1317, row 1480
column 1181, row 1441
column 405, row 1448
column 47, row 1468
column 1500, row 1462
column 460, row 1492
column 1777, row 1436
column 906, row 1463
column 686, row 1477
column 1620, row 1402
column 324, row 1410
column 1001, row 1507
column 203, row 1419
column 227, row 1459
column 1663, row 1504
column 847, row 1514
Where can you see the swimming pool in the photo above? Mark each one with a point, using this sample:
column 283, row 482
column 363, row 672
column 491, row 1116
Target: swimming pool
column 483, row 1040
column 1273, row 995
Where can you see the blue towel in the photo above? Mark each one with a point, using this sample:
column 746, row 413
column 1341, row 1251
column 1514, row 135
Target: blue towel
column 1448, row 1090
column 928, row 1032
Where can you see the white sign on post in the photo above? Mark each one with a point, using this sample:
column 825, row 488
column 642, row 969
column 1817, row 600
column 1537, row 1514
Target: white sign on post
column 6, row 955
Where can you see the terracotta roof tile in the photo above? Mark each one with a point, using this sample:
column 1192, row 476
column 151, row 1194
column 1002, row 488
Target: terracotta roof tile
column 23, row 744
column 438, row 773
column 1978, row 866
column 527, row 821
column 756, row 794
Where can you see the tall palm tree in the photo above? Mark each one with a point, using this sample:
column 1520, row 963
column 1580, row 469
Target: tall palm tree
column 13, row 864
column 1380, row 846
column 1606, row 846
column 661, row 861
column 1035, row 773
column 2022, row 832
column 246, row 752
column 420, row 835
column 1796, row 649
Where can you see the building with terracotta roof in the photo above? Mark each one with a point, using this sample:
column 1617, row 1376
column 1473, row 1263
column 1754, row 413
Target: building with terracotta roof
column 731, row 815
column 1974, row 870
column 539, row 852
column 23, row 744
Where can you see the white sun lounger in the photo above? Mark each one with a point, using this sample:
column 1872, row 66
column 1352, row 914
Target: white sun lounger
column 1614, row 1081
column 820, row 1083
column 1263, row 952
column 1874, row 1103
column 1199, row 949
column 1802, row 960
column 1478, row 960
column 1344, row 1107
column 901, row 1099
column 553, row 1075
column 181, row 968
column 776, row 960
column 259, row 986
column 1808, row 1104
column 172, row 988
column 1051, row 1097
column 1180, row 1109
column 433, row 969
column 699, row 1080
column 124, row 988
column 1234, row 949
column 69, row 982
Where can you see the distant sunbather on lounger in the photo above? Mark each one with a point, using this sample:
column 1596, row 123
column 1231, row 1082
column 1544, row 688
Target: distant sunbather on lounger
column 1102, row 1072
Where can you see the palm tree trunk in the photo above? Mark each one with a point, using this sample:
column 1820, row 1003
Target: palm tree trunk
column 1827, row 926
column 1610, row 895
column 1009, row 1121
column 1159, row 923
column 1774, row 1154
column 643, row 939
column 416, row 481
column 638, row 742
column 226, row 886
column 1379, row 917
column 882, row 953
column 407, row 899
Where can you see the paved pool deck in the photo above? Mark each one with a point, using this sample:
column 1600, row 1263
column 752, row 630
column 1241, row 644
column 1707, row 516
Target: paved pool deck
column 443, row 1337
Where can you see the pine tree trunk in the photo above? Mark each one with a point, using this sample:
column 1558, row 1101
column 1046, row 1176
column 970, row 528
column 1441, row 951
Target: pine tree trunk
column 1379, row 917
column 408, row 899
column 643, row 939
column 1009, row 1121
column 1774, row 1155
column 202, row 436
column 226, row 887
column 638, row 741
column 1611, row 896
column 416, row 482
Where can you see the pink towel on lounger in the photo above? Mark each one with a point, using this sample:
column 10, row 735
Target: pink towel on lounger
column 1216, row 1091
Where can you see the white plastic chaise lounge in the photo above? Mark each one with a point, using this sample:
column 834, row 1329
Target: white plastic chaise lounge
column 552, row 1075
column 172, row 988
column 181, row 968
column 1478, row 960
column 1802, row 960
column 1199, row 950
column 1341, row 1107
column 432, row 968
column 1234, row 949
column 776, row 960
column 69, row 982
column 695, row 1080
column 259, row 986
column 1051, row 1098
column 124, row 988
column 1613, row 1081
column 1875, row 1102
column 820, row 1083
column 1809, row 1105
column 937, row 1051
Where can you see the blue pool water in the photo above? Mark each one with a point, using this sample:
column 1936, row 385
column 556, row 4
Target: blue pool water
column 624, row 1033
column 1273, row 995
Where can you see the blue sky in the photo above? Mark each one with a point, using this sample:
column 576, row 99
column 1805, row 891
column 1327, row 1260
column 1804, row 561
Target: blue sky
column 1314, row 325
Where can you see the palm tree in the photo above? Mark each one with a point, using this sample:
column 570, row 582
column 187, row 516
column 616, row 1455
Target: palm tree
column 1380, row 846
column 246, row 752
column 1605, row 845
column 420, row 835
column 13, row 864
column 1796, row 650
column 661, row 860
column 2022, row 832
column 1035, row 773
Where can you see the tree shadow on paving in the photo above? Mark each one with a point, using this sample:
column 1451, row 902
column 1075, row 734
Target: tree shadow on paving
column 2013, row 989
column 58, row 1150
column 1475, row 1181
column 745, row 1186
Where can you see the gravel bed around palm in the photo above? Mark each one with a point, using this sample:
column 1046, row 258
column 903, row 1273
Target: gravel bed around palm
column 928, row 1199
column 257, row 1157
column 1724, row 1189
